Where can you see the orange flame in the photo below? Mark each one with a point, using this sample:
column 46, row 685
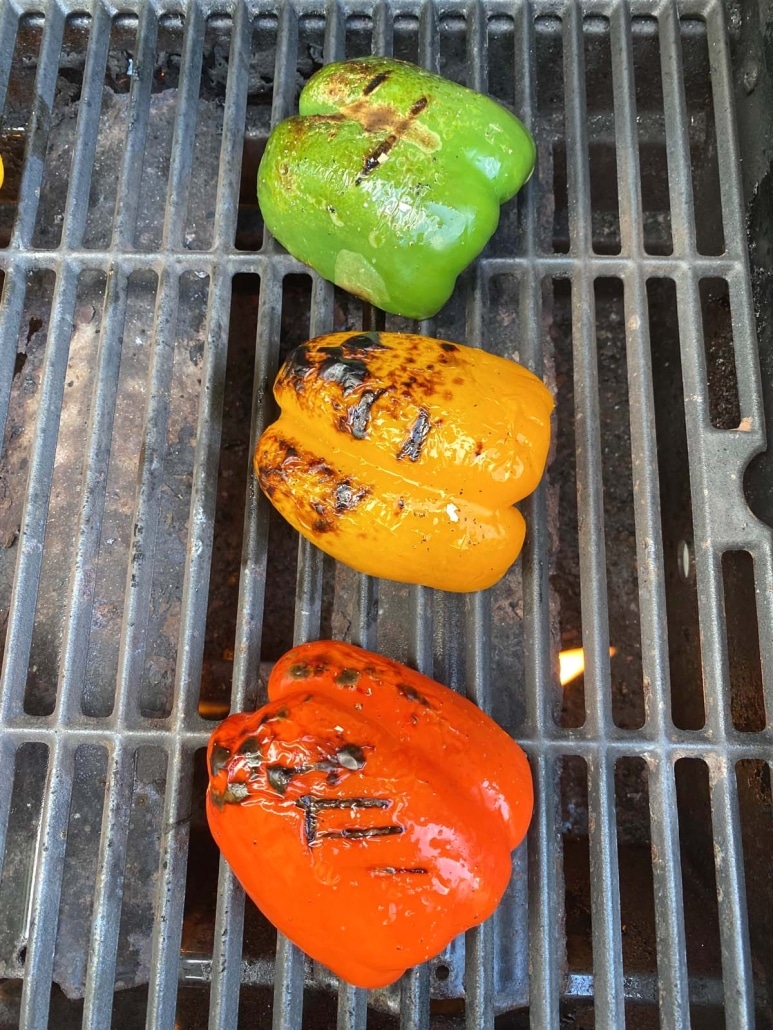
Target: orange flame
column 571, row 663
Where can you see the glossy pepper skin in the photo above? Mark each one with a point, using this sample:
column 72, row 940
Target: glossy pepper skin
column 402, row 456
column 368, row 811
column 390, row 180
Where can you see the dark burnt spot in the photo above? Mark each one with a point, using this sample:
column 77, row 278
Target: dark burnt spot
column 347, row 497
column 376, row 157
column 478, row 448
column 366, row 833
column 448, row 347
column 375, row 82
column 411, row 449
column 418, row 107
column 322, row 526
column 458, row 381
column 281, row 776
column 249, row 746
column 400, row 503
column 333, row 778
column 364, row 341
column 412, row 694
column 341, row 368
column 318, row 508
column 297, row 367
column 347, row 677
column 322, row 469
column 300, row 671
column 351, row 757
column 358, row 415
column 218, row 759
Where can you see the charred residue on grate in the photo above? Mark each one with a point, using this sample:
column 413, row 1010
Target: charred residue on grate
column 66, row 497
column 747, row 704
column 16, row 116
column 650, row 122
column 676, row 508
column 23, row 410
column 709, row 232
column 619, row 526
column 602, row 151
column 755, row 800
column 699, row 886
column 551, row 172
column 722, row 380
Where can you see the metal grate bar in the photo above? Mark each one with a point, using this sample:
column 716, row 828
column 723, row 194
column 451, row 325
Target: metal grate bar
column 46, row 887
column 130, row 182
column 147, row 505
column 184, row 140
column 33, row 524
column 673, row 983
column 106, row 920
column 737, row 974
column 233, row 131
column 40, row 124
column 78, row 615
column 627, row 150
column 677, row 136
column 9, row 24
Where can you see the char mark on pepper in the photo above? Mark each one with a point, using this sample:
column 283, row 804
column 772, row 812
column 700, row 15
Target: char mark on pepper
column 411, row 449
column 376, row 157
column 347, row 497
column 358, row 415
column 418, row 107
column 412, row 694
column 375, row 82
column 341, row 368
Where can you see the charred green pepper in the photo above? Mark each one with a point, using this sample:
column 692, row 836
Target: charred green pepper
column 390, row 180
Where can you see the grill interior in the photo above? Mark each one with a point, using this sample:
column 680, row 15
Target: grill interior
column 146, row 587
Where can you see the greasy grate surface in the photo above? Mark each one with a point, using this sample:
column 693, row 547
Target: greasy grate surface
column 142, row 577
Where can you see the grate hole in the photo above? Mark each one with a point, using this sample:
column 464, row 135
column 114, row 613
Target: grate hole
column 249, row 220
column 576, row 861
column 756, row 806
column 311, row 49
column 619, row 525
column 127, row 429
column 233, row 479
column 452, row 32
column 27, row 774
column 170, row 554
column 699, row 889
column 81, row 863
column 743, row 643
column 637, row 896
column 406, row 38
column 359, row 36
column 605, row 212
column 66, row 496
column 724, row 403
column 650, row 121
column 676, row 508
column 204, row 176
column 557, row 311
column 111, row 136
column 59, row 148
column 551, row 131
column 283, row 540
column 502, row 85
column 143, row 856
column 14, row 125
column 23, row 407
column 709, row 233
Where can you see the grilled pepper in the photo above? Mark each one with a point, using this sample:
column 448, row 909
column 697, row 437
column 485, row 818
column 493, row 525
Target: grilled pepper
column 390, row 180
column 368, row 811
column 402, row 456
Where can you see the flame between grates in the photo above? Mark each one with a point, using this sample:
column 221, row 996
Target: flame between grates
column 146, row 587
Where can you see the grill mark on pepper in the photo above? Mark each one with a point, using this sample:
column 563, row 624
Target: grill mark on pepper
column 375, row 82
column 376, row 157
column 218, row 759
column 390, row 870
column 351, row 757
column 412, row 694
column 347, row 498
column 313, row 805
column 418, row 107
column 411, row 449
column 281, row 776
column 358, row 415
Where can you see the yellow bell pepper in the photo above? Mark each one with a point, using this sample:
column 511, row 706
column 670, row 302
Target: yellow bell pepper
column 402, row 456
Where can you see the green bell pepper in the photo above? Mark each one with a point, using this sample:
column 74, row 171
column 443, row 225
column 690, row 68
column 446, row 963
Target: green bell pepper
column 390, row 180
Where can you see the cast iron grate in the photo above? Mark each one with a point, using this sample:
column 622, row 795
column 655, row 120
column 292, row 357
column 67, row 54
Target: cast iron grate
column 145, row 585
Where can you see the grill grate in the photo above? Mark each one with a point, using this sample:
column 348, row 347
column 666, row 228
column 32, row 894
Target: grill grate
column 83, row 643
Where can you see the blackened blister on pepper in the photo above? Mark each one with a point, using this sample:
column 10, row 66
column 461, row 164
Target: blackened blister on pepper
column 411, row 449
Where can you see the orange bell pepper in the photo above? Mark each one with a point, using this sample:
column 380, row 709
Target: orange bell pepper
column 368, row 811
column 403, row 456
